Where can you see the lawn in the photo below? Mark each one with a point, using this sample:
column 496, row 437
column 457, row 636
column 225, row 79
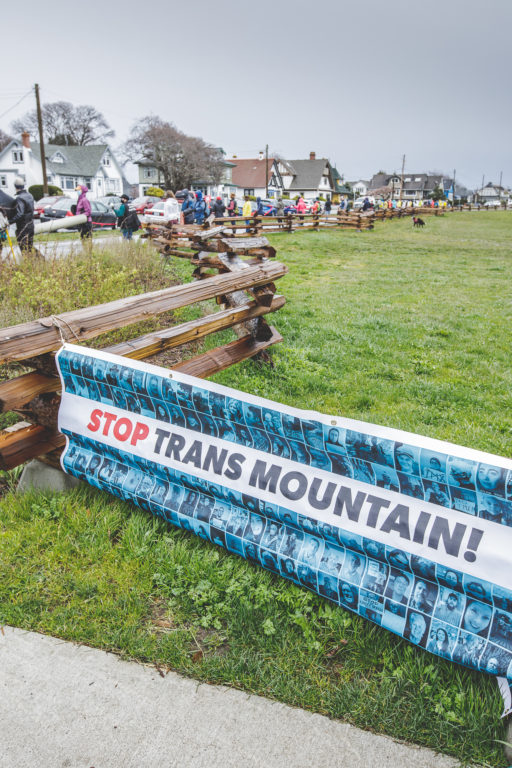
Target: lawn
column 397, row 326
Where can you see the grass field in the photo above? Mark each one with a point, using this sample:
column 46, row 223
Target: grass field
column 398, row 327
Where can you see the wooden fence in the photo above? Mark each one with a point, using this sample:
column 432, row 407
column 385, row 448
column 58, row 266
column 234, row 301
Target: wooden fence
column 246, row 288
column 382, row 214
column 248, row 226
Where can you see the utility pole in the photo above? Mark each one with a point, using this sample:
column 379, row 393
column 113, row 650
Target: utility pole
column 41, row 141
column 402, row 178
column 499, row 190
column 266, row 171
column 453, row 195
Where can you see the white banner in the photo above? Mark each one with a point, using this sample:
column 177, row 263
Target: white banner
column 411, row 532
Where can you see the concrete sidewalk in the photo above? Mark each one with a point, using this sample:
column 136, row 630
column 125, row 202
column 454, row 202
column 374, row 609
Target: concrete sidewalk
column 69, row 706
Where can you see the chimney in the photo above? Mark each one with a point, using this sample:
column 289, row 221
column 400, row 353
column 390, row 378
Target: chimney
column 261, row 155
column 25, row 138
column 312, row 155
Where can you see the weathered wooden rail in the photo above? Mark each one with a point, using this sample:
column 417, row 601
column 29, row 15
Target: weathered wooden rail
column 381, row 214
column 246, row 288
column 246, row 226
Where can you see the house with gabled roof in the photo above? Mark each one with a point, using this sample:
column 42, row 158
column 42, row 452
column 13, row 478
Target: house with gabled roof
column 66, row 166
column 342, row 189
column 310, row 178
column 414, row 187
column 253, row 176
column 493, row 194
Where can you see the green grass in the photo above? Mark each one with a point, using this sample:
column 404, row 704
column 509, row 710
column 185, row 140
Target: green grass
column 398, row 327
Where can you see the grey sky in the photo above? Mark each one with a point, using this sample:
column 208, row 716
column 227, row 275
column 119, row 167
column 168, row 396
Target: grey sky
column 361, row 83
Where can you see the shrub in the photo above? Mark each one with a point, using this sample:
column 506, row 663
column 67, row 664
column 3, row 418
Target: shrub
column 37, row 192
column 155, row 191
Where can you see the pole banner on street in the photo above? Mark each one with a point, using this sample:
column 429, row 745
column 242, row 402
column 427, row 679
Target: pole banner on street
column 412, row 533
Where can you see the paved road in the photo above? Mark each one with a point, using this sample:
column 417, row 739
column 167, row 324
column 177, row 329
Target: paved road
column 69, row 706
column 60, row 248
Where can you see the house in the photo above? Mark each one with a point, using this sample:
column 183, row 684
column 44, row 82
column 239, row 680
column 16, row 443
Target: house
column 341, row 188
column 66, row 166
column 311, row 178
column 254, row 176
column 492, row 194
column 359, row 187
column 415, row 186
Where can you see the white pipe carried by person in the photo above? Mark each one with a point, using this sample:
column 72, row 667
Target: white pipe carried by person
column 66, row 222
column 412, row 533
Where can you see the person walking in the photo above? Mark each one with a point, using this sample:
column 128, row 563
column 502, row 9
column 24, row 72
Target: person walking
column 247, row 210
column 280, row 211
column 328, row 206
column 171, row 208
column 187, row 208
column 127, row 219
column 83, row 206
column 301, row 209
column 259, row 208
column 232, row 206
column 218, row 208
column 200, row 208
column 23, row 216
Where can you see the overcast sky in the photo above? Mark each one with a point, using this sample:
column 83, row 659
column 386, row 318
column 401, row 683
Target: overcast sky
column 361, row 83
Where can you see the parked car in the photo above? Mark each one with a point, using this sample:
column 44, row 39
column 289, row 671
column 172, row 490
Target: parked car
column 102, row 217
column 145, row 201
column 358, row 203
column 43, row 203
column 111, row 201
column 492, row 204
column 155, row 214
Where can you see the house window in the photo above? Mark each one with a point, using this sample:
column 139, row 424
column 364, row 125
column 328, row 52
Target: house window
column 17, row 155
column 248, row 191
column 418, row 178
column 106, row 160
column 3, row 181
column 149, row 173
column 57, row 158
column 69, row 182
column 408, row 178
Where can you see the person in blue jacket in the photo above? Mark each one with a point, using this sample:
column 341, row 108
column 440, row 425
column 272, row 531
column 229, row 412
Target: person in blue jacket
column 259, row 207
column 187, row 207
column 200, row 209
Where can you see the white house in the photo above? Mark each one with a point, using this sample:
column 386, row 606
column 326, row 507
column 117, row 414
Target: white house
column 359, row 187
column 66, row 166
column 312, row 178
column 493, row 194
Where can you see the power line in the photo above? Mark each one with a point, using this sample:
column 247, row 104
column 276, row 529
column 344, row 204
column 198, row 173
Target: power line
column 15, row 105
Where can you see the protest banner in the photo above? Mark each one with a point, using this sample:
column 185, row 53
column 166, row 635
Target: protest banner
column 412, row 533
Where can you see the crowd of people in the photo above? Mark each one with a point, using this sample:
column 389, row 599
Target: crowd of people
column 185, row 207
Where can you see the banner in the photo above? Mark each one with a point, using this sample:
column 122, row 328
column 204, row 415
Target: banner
column 412, row 533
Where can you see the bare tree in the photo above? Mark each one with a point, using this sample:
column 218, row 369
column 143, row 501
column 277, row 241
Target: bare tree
column 182, row 160
column 64, row 123
column 4, row 139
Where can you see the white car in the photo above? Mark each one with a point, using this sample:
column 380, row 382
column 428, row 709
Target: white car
column 155, row 214
column 360, row 200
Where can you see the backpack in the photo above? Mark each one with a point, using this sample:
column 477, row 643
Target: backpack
column 130, row 220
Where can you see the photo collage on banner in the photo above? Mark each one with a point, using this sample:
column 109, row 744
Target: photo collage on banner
column 444, row 611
